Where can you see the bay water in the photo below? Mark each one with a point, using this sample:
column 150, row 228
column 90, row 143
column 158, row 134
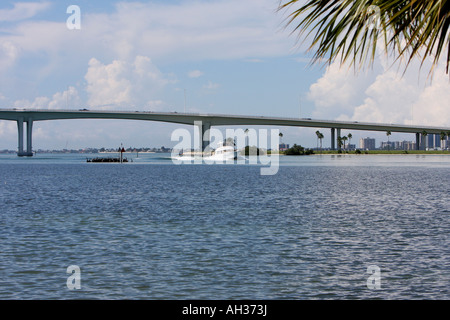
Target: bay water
column 151, row 229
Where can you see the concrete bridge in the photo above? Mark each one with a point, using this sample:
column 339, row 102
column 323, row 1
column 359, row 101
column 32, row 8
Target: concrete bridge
column 207, row 121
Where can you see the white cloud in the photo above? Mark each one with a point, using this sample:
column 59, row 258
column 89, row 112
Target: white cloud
column 107, row 84
column 8, row 132
column 385, row 95
column 432, row 106
column 388, row 100
column 46, row 51
column 68, row 99
column 186, row 31
column 22, row 11
column 195, row 74
column 337, row 90
column 121, row 84
column 8, row 54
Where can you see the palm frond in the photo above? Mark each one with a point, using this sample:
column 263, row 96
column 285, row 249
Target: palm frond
column 344, row 28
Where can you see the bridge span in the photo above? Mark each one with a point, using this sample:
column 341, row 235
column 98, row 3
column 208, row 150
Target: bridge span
column 28, row 116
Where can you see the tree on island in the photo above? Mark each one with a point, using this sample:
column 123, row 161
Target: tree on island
column 344, row 138
column 296, row 150
column 339, row 142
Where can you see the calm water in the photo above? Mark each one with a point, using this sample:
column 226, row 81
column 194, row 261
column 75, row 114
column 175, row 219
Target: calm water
column 154, row 230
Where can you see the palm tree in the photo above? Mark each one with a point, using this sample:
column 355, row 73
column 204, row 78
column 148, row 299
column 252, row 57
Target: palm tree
column 350, row 136
column 339, row 142
column 345, row 30
column 388, row 133
column 321, row 138
column 318, row 135
column 344, row 138
column 281, row 138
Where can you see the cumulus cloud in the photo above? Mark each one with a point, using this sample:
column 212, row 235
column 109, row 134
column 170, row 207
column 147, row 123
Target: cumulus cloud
column 432, row 106
column 167, row 32
column 68, row 99
column 108, row 84
column 385, row 95
column 122, row 84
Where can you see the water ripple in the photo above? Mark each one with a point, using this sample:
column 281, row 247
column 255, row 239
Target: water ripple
column 215, row 232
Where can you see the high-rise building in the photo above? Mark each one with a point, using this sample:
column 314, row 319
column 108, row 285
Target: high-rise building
column 398, row 145
column 433, row 141
column 445, row 144
column 367, row 143
column 408, row 145
column 437, row 141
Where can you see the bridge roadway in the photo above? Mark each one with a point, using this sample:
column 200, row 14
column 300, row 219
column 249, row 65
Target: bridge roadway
column 204, row 121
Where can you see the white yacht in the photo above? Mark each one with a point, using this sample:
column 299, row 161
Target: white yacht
column 225, row 151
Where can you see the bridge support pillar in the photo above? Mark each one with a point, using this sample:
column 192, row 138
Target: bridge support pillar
column 20, row 135
column 20, row 151
column 417, row 141
column 204, row 134
column 423, row 142
column 333, row 137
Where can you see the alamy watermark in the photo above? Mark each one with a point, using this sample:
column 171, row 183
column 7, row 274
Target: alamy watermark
column 374, row 281
column 191, row 149
column 74, row 280
column 73, row 22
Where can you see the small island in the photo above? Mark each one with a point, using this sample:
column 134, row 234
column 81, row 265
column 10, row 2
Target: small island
column 297, row 150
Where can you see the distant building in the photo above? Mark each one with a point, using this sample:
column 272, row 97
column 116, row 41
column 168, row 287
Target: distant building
column 387, row 145
column 367, row 143
column 398, row 145
column 409, row 145
column 283, row 146
column 433, row 141
column 445, row 145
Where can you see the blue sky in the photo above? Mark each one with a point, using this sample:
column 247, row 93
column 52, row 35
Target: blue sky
column 229, row 56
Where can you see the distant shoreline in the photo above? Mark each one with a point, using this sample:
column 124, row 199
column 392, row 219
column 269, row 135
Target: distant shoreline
column 382, row 152
column 129, row 152
column 443, row 152
column 316, row 152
